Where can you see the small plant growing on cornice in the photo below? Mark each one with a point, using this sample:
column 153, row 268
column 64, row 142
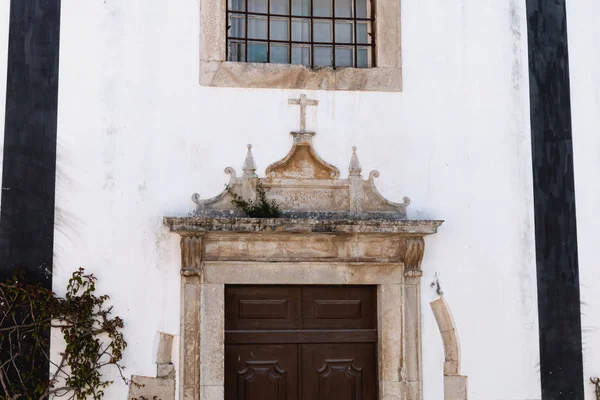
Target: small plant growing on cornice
column 596, row 383
column 262, row 208
column 93, row 340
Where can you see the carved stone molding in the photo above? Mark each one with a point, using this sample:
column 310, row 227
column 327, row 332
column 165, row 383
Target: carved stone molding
column 200, row 225
column 413, row 256
column 191, row 255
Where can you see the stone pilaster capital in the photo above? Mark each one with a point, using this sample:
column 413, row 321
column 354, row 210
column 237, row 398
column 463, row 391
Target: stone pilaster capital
column 191, row 255
column 414, row 248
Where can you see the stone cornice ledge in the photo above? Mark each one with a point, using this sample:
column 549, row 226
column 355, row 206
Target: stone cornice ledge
column 197, row 225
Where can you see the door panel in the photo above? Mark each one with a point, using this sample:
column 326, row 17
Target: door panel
column 261, row 372
column 339, row 307
column 341, row 377
column 262, row 307
column 339, row 371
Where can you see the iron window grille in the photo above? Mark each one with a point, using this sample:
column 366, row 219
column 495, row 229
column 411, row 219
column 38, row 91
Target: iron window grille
column 314, row 33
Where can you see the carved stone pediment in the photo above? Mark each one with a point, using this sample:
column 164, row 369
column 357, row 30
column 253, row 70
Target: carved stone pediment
column 303, row 185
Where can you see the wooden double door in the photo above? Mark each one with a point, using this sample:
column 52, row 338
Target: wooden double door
column 300, row 343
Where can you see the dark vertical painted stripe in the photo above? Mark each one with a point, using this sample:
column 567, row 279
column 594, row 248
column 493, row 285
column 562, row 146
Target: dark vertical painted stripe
column 29, row 161
column 554, row 195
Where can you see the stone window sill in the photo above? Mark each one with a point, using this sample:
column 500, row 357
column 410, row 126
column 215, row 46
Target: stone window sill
column 216, row 71
column 286, row 76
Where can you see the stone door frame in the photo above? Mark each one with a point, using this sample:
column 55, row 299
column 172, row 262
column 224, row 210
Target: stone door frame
column 211, row 260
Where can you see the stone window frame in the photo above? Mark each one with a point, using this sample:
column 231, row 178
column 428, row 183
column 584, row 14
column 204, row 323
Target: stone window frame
column 216, row 71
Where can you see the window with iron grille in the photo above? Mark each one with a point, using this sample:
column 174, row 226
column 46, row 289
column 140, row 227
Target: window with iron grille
column 314, row 33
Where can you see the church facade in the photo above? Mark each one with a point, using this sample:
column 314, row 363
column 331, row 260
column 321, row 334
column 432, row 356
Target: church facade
column 431, row 165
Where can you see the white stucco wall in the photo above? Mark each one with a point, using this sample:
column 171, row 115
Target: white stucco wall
column 584, row 54
column 137, row 136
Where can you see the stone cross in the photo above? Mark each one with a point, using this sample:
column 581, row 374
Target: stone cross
column 303, row 102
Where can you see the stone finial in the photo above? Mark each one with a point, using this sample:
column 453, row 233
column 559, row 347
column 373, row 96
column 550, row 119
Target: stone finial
column 249, row 166
column 355, row 168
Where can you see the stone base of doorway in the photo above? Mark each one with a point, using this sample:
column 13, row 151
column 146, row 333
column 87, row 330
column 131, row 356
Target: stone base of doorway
column 151, row 388
column 161, row 387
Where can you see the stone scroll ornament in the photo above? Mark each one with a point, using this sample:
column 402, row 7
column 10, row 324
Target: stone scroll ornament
column 303, row 185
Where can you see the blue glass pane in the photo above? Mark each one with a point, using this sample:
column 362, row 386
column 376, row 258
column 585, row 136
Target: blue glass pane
column 237, row 26
column 259, row 6
column 237, row 5
column 322, row 31
column 236, row 51
column 279, row 54
column 361, row 32
column 362, row 58
column 343, row 32
column 343, row 57
column 301, row 7
column 301, row 30
column 343, row 8
column 322, row 8
column 301, row 55
column 257, row 52
column 280, row 29
column 257, row 27
column 323, row 56
column 361, row 9
column 279, row 7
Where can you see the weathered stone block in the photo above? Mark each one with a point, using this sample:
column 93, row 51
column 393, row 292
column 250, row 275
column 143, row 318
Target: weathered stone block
column 212, row 392
column 165, row 371
column 165, row 347
column 390, row 390
column 455, row 387
column 163, row 389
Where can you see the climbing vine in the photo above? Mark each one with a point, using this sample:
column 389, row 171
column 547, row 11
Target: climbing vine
column 262, row 208
column 92, row 336
column 596, row 383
